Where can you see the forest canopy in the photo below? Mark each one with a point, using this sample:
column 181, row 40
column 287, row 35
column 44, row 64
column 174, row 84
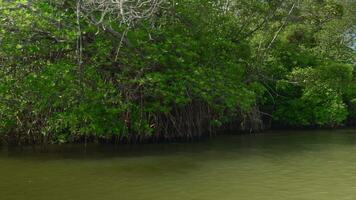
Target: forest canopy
column 131, row 70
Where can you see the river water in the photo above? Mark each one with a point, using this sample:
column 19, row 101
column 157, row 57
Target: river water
column 278, row 165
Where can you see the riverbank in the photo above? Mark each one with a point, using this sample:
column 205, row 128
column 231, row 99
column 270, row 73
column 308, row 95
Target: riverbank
column 116, row 142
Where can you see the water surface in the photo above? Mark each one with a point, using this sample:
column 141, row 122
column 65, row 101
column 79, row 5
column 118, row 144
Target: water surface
column 279, row 165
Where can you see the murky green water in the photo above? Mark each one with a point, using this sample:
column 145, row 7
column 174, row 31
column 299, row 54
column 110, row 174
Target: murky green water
column 315, row 165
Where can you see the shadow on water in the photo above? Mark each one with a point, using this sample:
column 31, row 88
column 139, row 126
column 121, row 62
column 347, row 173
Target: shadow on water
column 273, row 142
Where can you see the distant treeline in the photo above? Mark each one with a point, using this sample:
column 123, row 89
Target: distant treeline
column 173, row 69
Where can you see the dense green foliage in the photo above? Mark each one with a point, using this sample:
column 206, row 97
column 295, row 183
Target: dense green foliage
column 193, row 67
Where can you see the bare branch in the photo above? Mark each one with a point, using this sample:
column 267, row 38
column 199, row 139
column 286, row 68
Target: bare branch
column 123, row 11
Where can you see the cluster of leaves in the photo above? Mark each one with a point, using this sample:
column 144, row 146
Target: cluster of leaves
column 315, row 66
column 320, row 97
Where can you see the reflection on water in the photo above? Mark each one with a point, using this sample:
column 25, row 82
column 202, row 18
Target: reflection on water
column 308, row 165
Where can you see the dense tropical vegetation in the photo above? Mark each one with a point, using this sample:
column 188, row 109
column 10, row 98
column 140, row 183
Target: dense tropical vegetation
column 131, row 70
